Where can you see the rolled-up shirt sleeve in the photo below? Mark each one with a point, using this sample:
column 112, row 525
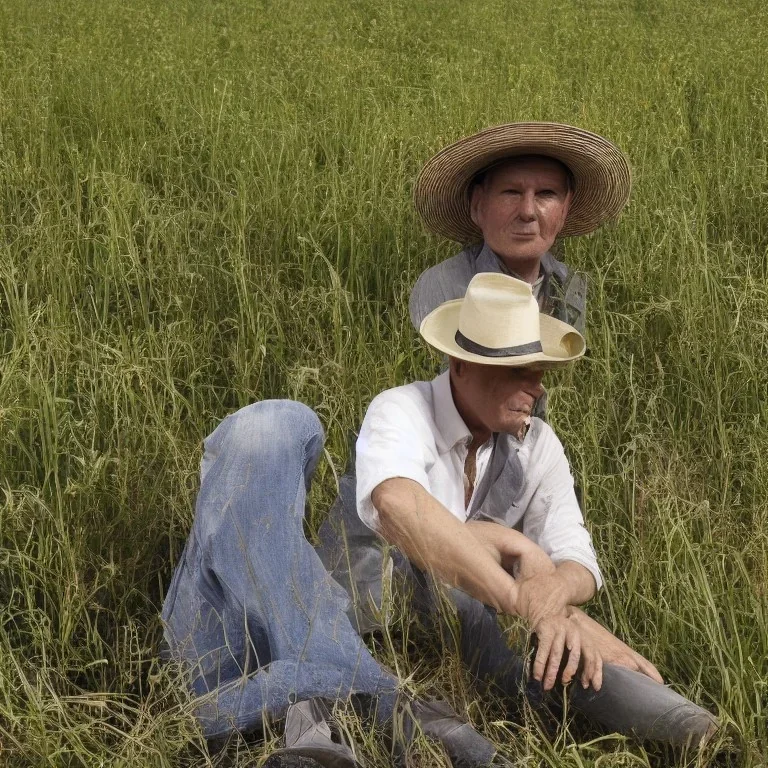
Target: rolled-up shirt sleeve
column 553, row 519
column 394, row 441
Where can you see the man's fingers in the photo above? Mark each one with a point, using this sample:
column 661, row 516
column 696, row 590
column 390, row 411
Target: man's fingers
column 542, row 654
column 573, row 643
column 634, row 661
column 645, row 666
column 592, row 669
column 587, row 666
column 597, row 676
column 555, row 657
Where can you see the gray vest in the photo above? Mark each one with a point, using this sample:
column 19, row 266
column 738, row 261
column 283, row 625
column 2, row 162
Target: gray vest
column 563, row 292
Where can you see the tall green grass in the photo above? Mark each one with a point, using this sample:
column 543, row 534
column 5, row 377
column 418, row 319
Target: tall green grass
column 205, row 204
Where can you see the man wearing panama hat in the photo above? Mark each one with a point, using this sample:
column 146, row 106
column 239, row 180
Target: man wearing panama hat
column 507, row 194
column 265, row 630
column 458, row 475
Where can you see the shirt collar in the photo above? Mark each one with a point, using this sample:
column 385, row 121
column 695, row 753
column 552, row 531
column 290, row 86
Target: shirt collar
column 450, row 425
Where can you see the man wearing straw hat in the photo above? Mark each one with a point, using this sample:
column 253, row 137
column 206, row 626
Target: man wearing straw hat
column 436, row 479
column 507, row 194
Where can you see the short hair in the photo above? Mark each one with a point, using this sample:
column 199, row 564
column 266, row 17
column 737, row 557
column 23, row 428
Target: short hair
column 482, row 175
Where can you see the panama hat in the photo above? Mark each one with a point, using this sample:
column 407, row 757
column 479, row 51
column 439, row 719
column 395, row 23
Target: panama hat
column 498, row 323
column 600, row 172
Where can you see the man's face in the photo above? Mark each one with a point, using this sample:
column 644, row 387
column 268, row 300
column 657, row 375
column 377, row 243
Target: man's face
column 493, row 397
column 521, row 206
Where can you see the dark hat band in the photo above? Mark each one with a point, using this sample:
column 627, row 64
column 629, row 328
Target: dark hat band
column 478, row 349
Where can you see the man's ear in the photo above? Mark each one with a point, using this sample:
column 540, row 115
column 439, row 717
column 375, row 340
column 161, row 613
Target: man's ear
column 475, row 199
column 566, row 207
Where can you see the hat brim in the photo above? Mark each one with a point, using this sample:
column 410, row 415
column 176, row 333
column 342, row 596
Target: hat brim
column 600, row 170
column 560, row 342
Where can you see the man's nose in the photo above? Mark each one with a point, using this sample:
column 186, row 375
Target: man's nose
column 535, row 387
column 527, row 208
column 537, row 390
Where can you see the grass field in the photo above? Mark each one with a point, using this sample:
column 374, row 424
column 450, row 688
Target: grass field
column 203, row 204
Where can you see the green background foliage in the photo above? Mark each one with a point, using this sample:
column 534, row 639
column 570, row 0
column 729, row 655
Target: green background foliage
column 203, row 204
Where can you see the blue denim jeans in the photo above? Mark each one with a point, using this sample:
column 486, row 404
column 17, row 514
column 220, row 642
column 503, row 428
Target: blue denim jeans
column 251, row 610
column 261, row 621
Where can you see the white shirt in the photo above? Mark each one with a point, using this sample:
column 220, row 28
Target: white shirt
column 416, row 432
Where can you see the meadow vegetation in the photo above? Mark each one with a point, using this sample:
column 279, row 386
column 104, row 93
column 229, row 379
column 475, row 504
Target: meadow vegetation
column 203, row 204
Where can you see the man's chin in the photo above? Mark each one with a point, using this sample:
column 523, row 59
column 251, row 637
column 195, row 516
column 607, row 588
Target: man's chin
column 515, row 428
column 524, row 249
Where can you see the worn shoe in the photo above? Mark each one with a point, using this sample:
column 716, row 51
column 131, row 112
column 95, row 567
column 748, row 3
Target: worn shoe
column 464, row 745
column 308, row 738
column 291, row 761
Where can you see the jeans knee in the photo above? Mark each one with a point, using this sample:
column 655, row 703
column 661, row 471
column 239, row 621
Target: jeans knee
column 276, row 428
column 275, row 422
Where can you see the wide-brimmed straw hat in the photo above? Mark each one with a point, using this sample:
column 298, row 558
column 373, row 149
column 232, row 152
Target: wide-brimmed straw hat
column 600, row 172
column 498, row 323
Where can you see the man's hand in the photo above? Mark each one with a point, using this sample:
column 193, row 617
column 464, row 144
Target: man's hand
column 587, row 642
column 551, row 591
column 546, row 594
column 512, row 550
column 532, row 562
column 556, row 635
column 611, row 649
column 543, row 597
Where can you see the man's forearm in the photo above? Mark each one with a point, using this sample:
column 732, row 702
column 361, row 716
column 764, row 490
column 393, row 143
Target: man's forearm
column 476, row 556
column 437, row 542
column 471, row 556
column 579, row 581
